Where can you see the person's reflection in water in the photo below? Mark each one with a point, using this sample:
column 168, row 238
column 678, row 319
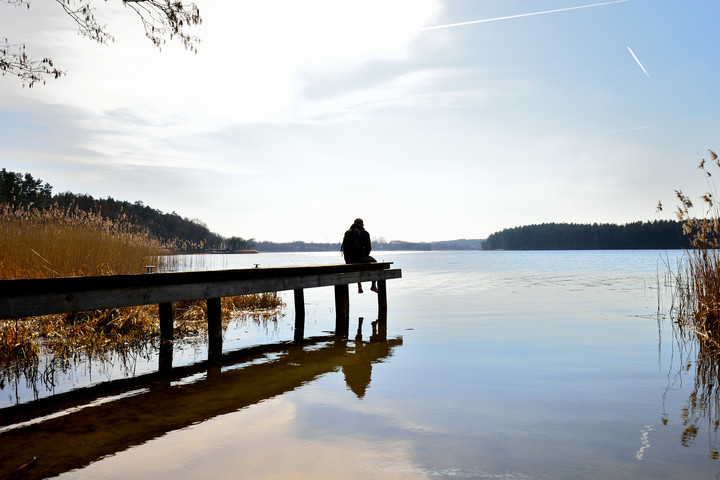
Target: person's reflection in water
column 357, row 366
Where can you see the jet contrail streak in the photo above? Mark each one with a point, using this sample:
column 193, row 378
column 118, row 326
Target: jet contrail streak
column 522, row 15
column 638, row 61
column 632, row 129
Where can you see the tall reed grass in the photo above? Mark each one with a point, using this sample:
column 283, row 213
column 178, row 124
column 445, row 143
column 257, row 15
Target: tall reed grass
column 57, row 243
column 696, row 308
column 697, row 280
column 53, row 243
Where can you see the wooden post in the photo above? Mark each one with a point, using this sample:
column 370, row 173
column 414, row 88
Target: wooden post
column 379, row 332
column 166, row 356
column 382, row 301
column 165, row 313
column 299, row 314
column 342, row 309
column 166, row 321
column 214, row 318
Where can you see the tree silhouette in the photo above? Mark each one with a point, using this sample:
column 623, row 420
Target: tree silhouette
column 23, row 190
column 161, row 19
column 659, row 234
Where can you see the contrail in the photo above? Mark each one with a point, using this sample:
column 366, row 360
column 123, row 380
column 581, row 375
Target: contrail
column 522, row 15
column 638, row 61
column 631, row 129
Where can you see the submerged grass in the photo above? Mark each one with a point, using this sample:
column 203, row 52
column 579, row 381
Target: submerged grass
column 56, row 243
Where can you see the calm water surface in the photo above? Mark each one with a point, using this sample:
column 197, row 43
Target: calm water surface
column 508, row 365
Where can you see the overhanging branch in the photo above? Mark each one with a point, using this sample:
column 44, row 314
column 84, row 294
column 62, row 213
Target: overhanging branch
column 161, row 19
column 14, row 61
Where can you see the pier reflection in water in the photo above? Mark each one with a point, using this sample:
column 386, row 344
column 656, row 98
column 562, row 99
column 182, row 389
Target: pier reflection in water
column 60, row 435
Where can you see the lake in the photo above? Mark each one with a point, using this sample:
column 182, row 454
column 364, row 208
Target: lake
column 497, row 365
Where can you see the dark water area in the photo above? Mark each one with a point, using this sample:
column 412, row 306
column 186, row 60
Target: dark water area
column 507, row 365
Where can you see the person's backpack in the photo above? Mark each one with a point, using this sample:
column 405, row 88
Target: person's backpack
column 350, row 246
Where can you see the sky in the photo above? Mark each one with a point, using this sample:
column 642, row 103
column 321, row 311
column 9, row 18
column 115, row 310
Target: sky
column 430, row 119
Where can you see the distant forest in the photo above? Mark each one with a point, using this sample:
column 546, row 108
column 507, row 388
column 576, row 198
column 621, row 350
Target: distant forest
column 24, row 191
column 660, row 234
column 376, row 246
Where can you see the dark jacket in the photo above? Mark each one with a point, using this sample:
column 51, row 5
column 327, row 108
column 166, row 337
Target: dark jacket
column 353, row 255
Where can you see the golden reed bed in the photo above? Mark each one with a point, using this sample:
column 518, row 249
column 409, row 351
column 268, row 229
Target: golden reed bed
column 53, row 242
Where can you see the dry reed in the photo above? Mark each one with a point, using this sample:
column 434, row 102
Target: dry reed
column 697, row 280
column 696, row 309
column 52, row 243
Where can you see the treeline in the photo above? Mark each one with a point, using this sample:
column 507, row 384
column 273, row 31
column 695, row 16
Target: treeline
column 24, row 191
column 266, row 246
column 660, row 234
column 463, row 244
column 166, row 227
column 377, row 245
column 21, row 190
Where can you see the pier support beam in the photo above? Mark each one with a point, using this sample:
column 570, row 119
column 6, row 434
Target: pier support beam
column 165, row 313
column 299, row 314
column 214, row 318
column 342, row 309
column 166, row 321
column 382, row 301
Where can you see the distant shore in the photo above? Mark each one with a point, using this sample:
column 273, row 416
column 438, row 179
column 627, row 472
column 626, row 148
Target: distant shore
column 230, row 251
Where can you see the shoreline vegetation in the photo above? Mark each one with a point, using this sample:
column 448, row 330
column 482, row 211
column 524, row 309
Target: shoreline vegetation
column 696, row 304
column 695, row 307
column 55, row 242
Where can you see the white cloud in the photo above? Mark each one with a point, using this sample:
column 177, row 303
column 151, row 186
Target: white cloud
column 254, row 59
column 413, row 89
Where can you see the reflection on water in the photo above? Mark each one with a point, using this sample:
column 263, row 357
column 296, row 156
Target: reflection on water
column 700, row 355
column 54, row 374
column 357, row 367
column 23, row 382
column 514, row 365
column 71, row 434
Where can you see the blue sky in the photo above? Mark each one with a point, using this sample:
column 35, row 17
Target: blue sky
column 296, row 117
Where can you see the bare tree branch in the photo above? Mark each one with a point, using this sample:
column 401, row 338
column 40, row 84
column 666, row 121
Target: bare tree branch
column 14, row 61
column 17, row 3
column 165, row 17
column 84, row 16
column 161, row 19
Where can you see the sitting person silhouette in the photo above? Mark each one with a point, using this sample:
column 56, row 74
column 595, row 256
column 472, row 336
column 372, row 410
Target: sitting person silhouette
column 356, row 248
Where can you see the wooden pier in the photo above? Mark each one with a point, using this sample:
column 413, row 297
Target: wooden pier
column 32, row 297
